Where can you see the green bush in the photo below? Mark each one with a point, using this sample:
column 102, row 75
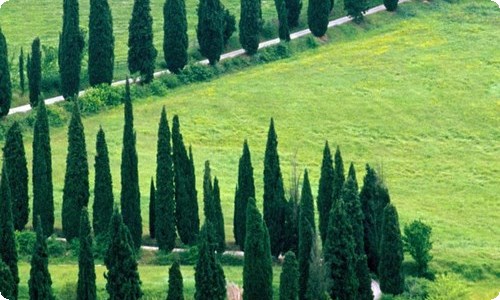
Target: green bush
column 96, row 98
column 25, row 241
column 415, row 288
column 57, row 116
column 55, row 248
column 171, row 81
column 157, row 88
column 447, row 286
column 280, row 51
column 189, row 257
column 197, row 73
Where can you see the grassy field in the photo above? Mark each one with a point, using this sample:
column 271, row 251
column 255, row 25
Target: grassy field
column 411, row 93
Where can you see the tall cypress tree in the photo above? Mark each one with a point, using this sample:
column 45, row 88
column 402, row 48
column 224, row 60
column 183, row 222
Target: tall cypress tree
column 382, row 198
column 8, row 252
column 274, row 198
column 130, row 198
column 35, row 72
column 123, row 280
column 307, row 232
column 175, row 285
column 175, row 38
column 86, row 270
column 391, row 5
column 391, row 253
column 141, row 51
column 250, row 23
column 165, row 203
column 5, row 83
column 193, row 194
column 317, row 16
column 244, row 190
column 210, row 29
column 103, row 187
column 352, row 174
column 101, row 43
column 208, row 196
column 71, row 44
column 21, row 71
column 212, row 208
column 152, row 209
column 289, row 284
column 338, row 177
column 325, row 191
column 355, row 9
column 76, row 180
column 257, row 268
column 17, row 171
column 40, row 283
column 283, row 29
column 219, row 218
column 293, row 8
column 7, row 284
column 43, row 199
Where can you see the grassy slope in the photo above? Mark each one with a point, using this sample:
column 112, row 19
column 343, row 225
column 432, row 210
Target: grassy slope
column 415, row 95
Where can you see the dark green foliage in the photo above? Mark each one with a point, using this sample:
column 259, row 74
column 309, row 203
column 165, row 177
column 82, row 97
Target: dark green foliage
column 244, row 190
column 229, row 25
column 40, row 283
column 35, row 72
column 86, row 270
column 210, row 29
column 250, row 23
column 103, row 187
column 141, row 51
column 152, row 208
column 338, row 177
column 283, row 29
column 5, row 83
column 257, row 269
column 293, row 8
column 292, row 211
column 175, row 38
column 21, row 71
column 101, row 43
column 192, row 187
column 175, row 285
column 7, row 284
column 43, row 199
column 274, row 198
column 123, row 280
column 130, row 198
column 391, row 5
column 417, row 241
column 356, row 9
column 289, row 285
column 210, row 281
column 319, row 283
column 165, row 204
column 71, row 44
column 208, row 203
column 17, row 171
column 307, row 233
column 368, row 198
column 391, row 253
column 76, row 180
column 212, row 208
column 317, row 16
column 219, row 218
column 339, row 254
column 352, row 175
column 8, row 252
column 325, row 191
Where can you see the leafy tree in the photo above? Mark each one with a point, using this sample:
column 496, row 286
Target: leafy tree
column 356, row 9
column 325, row 191
column 86, row 270
column 17, row 171
column 250, row 24
column 5, row 83
column 175, row 38
column 283, row 29
column 317, row 16
column 76, row 180
column 417, row 241
column 123, row 280
column 274, row 198
column 367, row 198
column 7, row 283
column 35, row 72
column 257, row 268
column 43, row 199
column 71, row 44
column 165, row 203
column 244, row 190
column 175, row 285
column 391, row 253
column 293, row 8
column 306, row 235
column 21, row 71
column 141, row 51
column 152, row 208
column 101, row 43
column 289, row 285
column 391, row 5
column 103, row 187
column 229, row 25
column 210, row 29
column 40, row 283
column 219, row 218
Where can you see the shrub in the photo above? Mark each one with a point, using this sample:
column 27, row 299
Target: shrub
column 197, row 73
column 417, row 241
column 171, row 81
column 25, row 241
column 55, row 248
column 415, row 288
column 447, row 286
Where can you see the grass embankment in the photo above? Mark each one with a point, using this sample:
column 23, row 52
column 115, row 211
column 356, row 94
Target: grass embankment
column 412, row 92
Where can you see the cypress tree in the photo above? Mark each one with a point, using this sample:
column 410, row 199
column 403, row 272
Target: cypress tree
column 229, row 26
column 5, row 83
column 152, row 208
column 141, row 51
column 165, row 205
column 35, row 72
column 76, row 180
column 212, row 208
column 274, row 198
column 391, row 253
column 289, row 284
column 244, row 190
column 43, row 199
column 283, row 29
column 71, row 44
column 17, row 171
column 40, row 283
column 7, row 283
column 210, row 29
column 338, row 177
column 319, row 283
column 307, row 233
column 175, row 38
column 367, row 199
column 325, row 192
column 317, row 16
column 208, row 202
column 123, row 280
column 103, row 187
column 193, row 200
column 101, row 43
column 210, row 281
column 130, row 198
column 21, row 71
column 175, row 285
column 352, row 174
column 391, row 5
column 257, row 268
column 219, row 218
column 8, row 252
column 293, row 8
column 355, row 9
column 382, row 199
column 250, row 23
column 292, row 215
column 86, row 270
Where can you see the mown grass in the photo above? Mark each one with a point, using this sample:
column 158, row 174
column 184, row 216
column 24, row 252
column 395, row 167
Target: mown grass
column 410, row 92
